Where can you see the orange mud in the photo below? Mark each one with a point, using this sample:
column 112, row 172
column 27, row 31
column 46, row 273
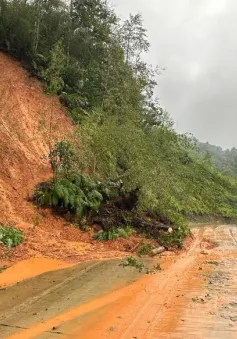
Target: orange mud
column 116, row 302
column 193, row 297
column 29, row 268
column 138, row 308
column 80, row 310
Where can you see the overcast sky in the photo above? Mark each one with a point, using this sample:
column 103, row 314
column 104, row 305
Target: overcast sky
column 196, row 41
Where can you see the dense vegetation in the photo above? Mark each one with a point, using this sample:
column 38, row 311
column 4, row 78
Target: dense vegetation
column 123, row 140
column 224, row 160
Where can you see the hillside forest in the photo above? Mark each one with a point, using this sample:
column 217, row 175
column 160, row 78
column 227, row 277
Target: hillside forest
column 124, row 166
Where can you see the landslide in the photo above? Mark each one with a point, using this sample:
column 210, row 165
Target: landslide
column 30, row 121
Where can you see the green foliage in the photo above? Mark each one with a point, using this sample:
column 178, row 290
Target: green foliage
column 173, row 184
column 131, row 261
column 77, row 194
column 113, row 234
column 62, row 159
column 224, row 160
column 54, row 69
column 145, row 249
column 154, row 269
column 83, row 53
column 134, row 39
column 128, row 229
column 10, row 236
column 92, row 60
column 173, row 240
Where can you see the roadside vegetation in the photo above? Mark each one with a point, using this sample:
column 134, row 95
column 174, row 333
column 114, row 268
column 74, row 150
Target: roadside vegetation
column 124, row 164
column 140, row 266
column 113, row 234
column 133, row 262
column 145, row 249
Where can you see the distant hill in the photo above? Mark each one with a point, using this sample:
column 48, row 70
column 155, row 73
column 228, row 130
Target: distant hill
column 224, row 160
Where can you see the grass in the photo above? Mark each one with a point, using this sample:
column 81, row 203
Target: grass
column 113, row 234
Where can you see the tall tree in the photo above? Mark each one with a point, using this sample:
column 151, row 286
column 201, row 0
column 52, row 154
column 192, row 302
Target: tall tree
column 134, row 38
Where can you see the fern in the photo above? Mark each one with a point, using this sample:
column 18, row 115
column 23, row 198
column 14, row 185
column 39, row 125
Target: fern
column 76, row 194
column 112, row 234
column 122, row 233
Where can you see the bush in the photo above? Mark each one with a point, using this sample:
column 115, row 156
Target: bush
column 113, row 234
column 175, row 239
column 10, row 236
column 77, row 194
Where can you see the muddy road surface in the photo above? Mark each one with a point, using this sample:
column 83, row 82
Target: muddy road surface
column 193, row 297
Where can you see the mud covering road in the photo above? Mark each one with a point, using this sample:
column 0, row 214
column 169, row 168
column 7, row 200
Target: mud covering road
column 194, row 296
column 43, row 297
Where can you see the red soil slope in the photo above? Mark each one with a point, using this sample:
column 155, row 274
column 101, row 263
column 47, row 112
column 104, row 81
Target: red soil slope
column 27, row 116
column 29, row 121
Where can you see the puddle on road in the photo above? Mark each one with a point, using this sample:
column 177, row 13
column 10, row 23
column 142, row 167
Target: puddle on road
column 29, row 268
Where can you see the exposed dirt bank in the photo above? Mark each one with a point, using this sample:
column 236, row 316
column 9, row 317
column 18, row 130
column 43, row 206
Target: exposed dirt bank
column 29, row 122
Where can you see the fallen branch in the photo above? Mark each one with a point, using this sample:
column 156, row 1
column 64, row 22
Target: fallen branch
column 137, row 245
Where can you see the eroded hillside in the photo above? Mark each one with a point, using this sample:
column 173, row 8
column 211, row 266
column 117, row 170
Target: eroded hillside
column 29, row 121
